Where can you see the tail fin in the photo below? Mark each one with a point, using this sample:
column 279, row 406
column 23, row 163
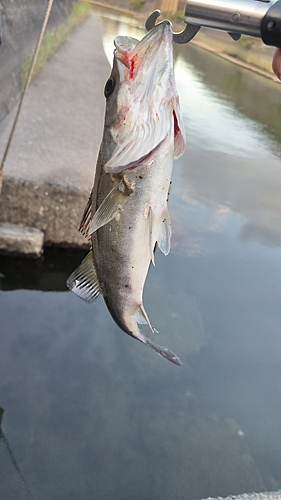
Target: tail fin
column 162, row 351
column 141, row 317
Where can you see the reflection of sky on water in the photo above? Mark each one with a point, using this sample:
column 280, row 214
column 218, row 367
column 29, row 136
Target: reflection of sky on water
column 223, row 188
column 85, row 404
column 213, row 123
column 229, row 163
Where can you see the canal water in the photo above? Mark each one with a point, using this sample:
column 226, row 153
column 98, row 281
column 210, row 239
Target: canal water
column 89, row 413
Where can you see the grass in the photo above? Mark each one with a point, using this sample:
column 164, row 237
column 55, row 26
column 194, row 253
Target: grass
column 137, row 5
column 246, row 50
column 178, row 16
column 53, row 39
column 246, row 41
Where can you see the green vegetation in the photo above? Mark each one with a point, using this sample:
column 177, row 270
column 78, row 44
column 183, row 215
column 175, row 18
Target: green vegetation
column 53, row 39
column 247, row 42
column 178, row 16
column 247, row 50
column 138, row 5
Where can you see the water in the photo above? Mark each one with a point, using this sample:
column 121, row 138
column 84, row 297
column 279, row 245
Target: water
column 91, row 413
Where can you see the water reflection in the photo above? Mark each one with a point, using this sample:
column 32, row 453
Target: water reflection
column 230, row 164
column 90, row 416
column 11, row 462
column 214, row 121
column 254, row 96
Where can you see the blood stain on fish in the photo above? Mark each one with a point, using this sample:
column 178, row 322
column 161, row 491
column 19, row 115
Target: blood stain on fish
column 132, row 66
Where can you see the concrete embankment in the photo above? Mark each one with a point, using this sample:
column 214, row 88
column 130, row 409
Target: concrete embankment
column 50, row 167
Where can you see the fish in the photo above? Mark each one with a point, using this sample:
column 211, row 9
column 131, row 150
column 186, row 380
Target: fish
column 127, row 216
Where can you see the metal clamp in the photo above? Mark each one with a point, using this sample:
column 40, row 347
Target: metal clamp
column 257, row 18
column 183, row 37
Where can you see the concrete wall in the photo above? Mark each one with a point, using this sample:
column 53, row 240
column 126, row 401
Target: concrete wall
column 21, row 25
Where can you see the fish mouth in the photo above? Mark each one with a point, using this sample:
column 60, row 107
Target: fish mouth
column 147, row 100
column 131, row 52
column 126, row 43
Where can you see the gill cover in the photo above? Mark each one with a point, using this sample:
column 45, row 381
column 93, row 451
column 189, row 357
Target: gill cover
column 147, row 104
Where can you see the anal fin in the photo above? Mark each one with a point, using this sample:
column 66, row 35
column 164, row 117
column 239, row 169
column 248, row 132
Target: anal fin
column 84, row 282
column 142, row 318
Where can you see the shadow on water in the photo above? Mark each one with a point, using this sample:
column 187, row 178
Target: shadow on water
column 49, row 273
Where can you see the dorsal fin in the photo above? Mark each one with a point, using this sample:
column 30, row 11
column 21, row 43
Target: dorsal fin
column 86, row 218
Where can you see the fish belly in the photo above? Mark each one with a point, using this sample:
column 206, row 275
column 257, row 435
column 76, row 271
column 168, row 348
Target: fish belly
column 124, row 247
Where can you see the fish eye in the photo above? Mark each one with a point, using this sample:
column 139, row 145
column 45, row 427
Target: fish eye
column 109, row 87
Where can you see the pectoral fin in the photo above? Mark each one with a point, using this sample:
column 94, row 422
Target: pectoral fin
column 110, row 207
column 84, row 282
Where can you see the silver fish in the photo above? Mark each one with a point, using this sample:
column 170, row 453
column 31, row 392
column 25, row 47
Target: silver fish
column 127, row 211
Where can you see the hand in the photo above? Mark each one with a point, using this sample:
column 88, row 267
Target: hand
column 276, row 63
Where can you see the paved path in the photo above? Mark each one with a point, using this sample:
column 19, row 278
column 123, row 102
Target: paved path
column 60, row 126
column 57, row 139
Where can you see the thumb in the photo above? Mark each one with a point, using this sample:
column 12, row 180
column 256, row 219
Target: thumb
column 276, row 63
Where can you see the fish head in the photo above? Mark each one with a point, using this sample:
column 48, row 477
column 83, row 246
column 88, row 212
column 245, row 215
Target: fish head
column 142, row 107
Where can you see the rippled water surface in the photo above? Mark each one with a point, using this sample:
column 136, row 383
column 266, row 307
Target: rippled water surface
column 91, row 413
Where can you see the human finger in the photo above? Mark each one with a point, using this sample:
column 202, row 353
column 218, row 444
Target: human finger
column 276, row 63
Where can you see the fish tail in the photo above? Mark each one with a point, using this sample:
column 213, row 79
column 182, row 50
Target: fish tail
column 162, row 351
column 142, row 318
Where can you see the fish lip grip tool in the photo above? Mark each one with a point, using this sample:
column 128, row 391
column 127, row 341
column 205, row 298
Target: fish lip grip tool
column 256, row 18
